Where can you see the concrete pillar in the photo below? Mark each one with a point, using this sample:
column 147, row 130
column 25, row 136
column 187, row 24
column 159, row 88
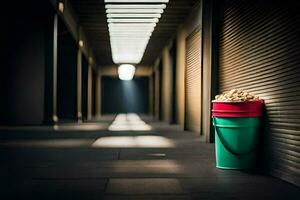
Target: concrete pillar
column 55, row 43
column 98, row 96
column 79, row 85
column 157, row 86
column 180, row 76
column 151, row 95
column 166, row 86
column 50, row 99
column 90, row 93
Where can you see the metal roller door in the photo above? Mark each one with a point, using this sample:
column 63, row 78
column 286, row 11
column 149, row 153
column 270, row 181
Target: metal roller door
column 259, row 50
column 193, row 82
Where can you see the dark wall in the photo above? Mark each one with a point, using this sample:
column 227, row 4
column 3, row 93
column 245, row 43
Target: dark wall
column 23, row 61
column 125, row 96
column 67, row 74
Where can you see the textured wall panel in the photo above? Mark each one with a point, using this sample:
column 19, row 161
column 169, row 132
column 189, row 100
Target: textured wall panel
column 180, row 77
column 166, row 86
column 259, row 52
column 193, row 81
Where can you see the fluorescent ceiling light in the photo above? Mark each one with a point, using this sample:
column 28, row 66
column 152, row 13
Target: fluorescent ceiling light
column 138, row 15
column 130, row 25
column 140, row 29
column 126, row 72
column 154, row 10
column 133, row 30
column 153, row 20
column 130, row 29
column 132, row 41
column 141, row 32
column 140, row 6
column 136, row 1
column 129, row 37
column 134, row 25
column 125, row 36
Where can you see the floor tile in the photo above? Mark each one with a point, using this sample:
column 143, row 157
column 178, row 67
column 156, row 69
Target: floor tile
column 147, row 197
column 144, row 186
column 59, row 189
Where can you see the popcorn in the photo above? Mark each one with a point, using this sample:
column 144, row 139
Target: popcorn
column 236, row 95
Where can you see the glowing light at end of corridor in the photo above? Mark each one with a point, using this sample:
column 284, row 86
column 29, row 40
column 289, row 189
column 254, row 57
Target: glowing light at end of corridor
column 126, row 72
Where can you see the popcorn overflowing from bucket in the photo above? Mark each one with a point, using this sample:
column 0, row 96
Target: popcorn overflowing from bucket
column 236, row 95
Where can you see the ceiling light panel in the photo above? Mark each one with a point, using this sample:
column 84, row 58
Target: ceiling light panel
column 130, row 27
column 136, row 1
column 136, row 10
column 136, row 6
column 138, row 15
column 150, row 20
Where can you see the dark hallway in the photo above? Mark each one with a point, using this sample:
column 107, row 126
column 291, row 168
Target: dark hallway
column 150, row 99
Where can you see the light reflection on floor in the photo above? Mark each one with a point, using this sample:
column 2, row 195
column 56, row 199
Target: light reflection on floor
column 147, row 141
column 48, row 143
column 129, row 122
column 123, row 122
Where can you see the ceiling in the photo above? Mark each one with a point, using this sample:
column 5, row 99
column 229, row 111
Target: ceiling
column 92, row 17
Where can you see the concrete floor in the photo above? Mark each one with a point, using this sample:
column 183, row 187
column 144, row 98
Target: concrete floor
column 89, row 162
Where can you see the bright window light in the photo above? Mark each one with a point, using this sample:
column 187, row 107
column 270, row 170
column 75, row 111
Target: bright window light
column 126, row 72
column 131, row 24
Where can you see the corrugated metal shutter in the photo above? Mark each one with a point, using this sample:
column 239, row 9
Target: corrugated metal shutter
column 193, row 81
column 260, row 52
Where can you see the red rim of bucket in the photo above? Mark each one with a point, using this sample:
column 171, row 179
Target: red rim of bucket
column 238, row 109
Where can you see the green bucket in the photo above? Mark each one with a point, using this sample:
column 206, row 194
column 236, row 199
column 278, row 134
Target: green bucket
column 236, row 140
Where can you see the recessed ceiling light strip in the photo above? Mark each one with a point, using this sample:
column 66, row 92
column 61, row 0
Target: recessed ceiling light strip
column 137, row 15
column 136, row 6
column 130, row 25
column 136, row 1
column 150, row 20
column 128, row 10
